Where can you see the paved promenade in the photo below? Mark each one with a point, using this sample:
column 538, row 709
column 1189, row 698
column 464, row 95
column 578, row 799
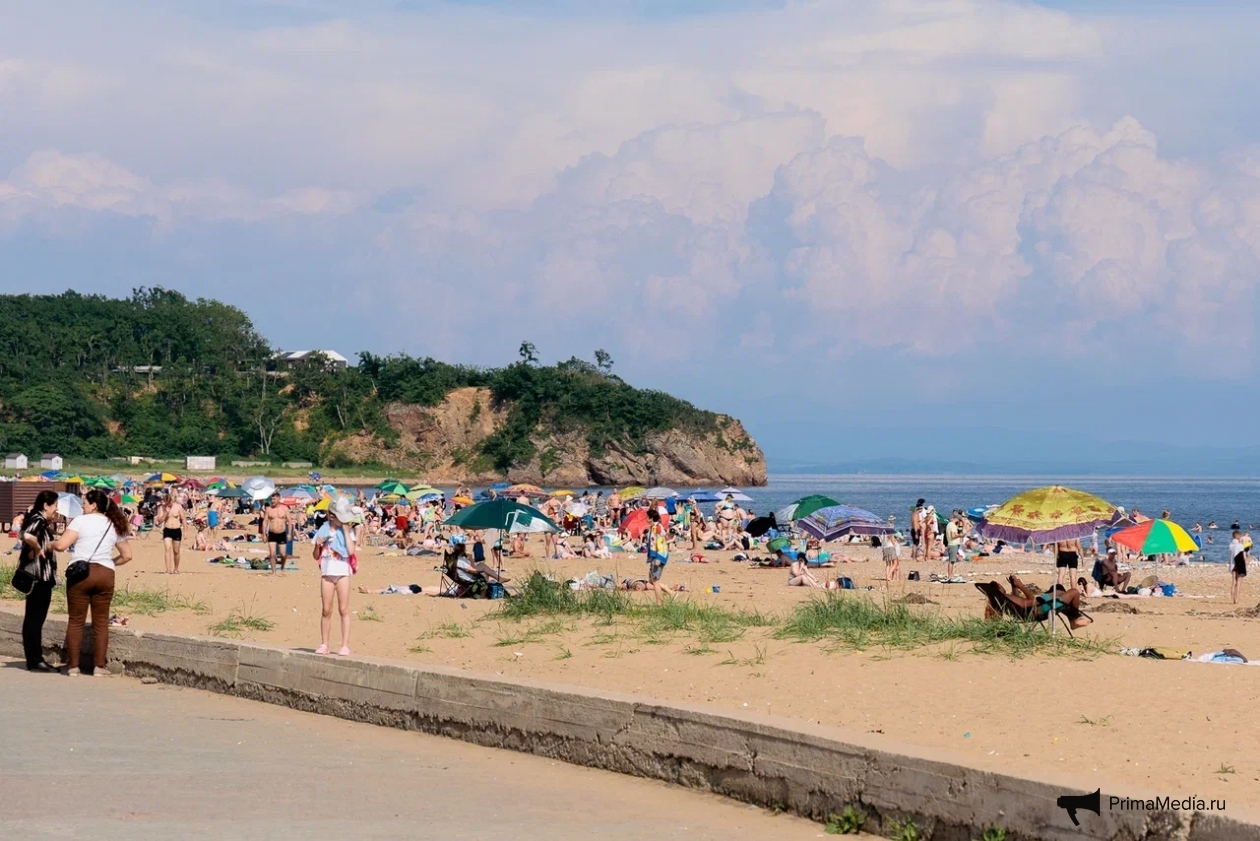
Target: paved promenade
column 117, row 759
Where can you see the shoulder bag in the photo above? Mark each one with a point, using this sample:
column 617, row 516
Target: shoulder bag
column 79, row 570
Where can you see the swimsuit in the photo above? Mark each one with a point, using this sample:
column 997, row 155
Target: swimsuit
column 176, row 535
column 278, row 537
column 213, row 519
column 1066, row 560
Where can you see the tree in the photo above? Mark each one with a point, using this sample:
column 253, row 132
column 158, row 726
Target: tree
column 603, row 361
column 529, row 353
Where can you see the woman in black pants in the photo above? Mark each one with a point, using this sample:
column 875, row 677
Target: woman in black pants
column 40, row 561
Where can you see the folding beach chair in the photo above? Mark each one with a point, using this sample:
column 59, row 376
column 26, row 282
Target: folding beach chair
column 1048, row 607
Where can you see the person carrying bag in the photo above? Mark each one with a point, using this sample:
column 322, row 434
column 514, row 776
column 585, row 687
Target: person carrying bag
column 36, row 576
column 94, row 536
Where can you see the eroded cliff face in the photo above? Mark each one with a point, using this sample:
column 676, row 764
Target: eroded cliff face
column 441, row 442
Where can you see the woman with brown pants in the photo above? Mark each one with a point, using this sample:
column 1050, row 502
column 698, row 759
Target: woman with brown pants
column 94, row 536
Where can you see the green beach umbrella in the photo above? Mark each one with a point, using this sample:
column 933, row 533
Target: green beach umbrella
column 393, row 486
column 503, row 514
column 803, row 507
column 778, row 543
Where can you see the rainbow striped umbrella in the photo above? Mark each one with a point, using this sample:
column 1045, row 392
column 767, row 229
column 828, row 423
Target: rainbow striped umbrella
column 1156, row 537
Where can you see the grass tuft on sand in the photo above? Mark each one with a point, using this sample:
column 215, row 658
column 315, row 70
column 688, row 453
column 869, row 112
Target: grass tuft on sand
column 239, row 620
column 140, row 601
column 858, row 622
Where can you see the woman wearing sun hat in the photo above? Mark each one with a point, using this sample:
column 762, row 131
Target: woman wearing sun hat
column 335, row 549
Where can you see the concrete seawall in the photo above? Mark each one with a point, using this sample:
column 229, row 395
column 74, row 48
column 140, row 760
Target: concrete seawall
column 813, row 771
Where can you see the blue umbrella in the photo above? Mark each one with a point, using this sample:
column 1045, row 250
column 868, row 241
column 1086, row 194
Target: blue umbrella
column 840, row 520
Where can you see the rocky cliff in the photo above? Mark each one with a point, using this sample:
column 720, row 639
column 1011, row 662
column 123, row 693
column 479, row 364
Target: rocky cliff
column 442, row 443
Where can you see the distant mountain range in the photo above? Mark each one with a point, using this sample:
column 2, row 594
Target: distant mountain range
column 995, row 452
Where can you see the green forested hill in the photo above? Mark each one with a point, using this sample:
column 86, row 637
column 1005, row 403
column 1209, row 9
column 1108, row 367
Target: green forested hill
column 77, row 377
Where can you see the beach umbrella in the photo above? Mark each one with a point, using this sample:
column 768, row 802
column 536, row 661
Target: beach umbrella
column 699, row 496
column 632, row 492
column 128, row 499
column 1156, row 537
column 462, row 500
column 258, row 487
column 300, row 493
column 423, row 492
column 735, row 494
column 322, row 505
column 778, row 543
column 526, row 489
column 73, row 480
column 69, row 505
column 660, row 493
column 841, row 520
column 502, row 514
column 163, row 478
column 192, row 484
column 393, row 486
column 98, row 482
column 636, row 522
column 804, row 506
column 577, row 509
column 50, row 475
column 563, row 492
column 1047, row 515
column 229, row 493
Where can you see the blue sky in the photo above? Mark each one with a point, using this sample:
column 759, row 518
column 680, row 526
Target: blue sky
column 859, row 226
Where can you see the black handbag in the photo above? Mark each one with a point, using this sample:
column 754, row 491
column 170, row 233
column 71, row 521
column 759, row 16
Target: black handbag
column 23, row 581
column 76, row 572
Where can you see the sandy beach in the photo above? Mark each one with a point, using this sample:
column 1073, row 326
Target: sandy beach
column 1164, row 725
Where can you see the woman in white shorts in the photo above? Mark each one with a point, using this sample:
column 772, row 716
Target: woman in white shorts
column 335, row 549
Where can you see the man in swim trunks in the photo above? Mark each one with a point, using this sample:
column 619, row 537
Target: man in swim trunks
column 213, row 516
column 172, row 517
column 274, row 526
column 1067, row 555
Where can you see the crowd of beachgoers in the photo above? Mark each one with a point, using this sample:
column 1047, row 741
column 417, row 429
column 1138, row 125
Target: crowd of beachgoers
column 1094, row 546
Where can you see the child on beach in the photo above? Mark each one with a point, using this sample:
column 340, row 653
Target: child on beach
column 1237, row 564
column 891, row 551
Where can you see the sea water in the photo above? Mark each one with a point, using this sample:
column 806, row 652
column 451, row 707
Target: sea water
column 1189, row 500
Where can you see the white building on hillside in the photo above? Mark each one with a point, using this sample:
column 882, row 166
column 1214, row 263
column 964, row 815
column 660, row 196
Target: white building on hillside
column 15, row 461
column 289, row 359
column 51, row 461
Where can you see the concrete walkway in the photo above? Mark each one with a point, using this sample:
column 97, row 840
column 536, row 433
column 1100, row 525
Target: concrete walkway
column 114, row 758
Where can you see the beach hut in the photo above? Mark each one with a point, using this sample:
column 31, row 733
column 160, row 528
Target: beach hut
column 15, row 461
column 51, row 461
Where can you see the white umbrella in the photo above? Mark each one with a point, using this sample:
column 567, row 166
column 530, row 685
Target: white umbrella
column 69, row 505
column 258, row 487
column 660, row 493
column 577, row 509
column 735, row 494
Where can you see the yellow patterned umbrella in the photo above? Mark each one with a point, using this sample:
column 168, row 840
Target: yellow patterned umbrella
column 1047, row 515
column 632, row 492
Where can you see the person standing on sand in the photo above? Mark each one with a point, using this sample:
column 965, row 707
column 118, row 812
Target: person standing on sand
column 891, row 550
column 1237, row 564
column 336, row 551
column 614, row 509
column 916, row 524
column 93, row 537
column 274, row 527
column 173, row 518
column 40, row 562
column 953, row 544
column 1067, row 555
column 212, row 518
column 657, row 552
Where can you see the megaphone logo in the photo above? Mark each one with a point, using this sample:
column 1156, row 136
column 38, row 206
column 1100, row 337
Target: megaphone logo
column 1072, row 802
